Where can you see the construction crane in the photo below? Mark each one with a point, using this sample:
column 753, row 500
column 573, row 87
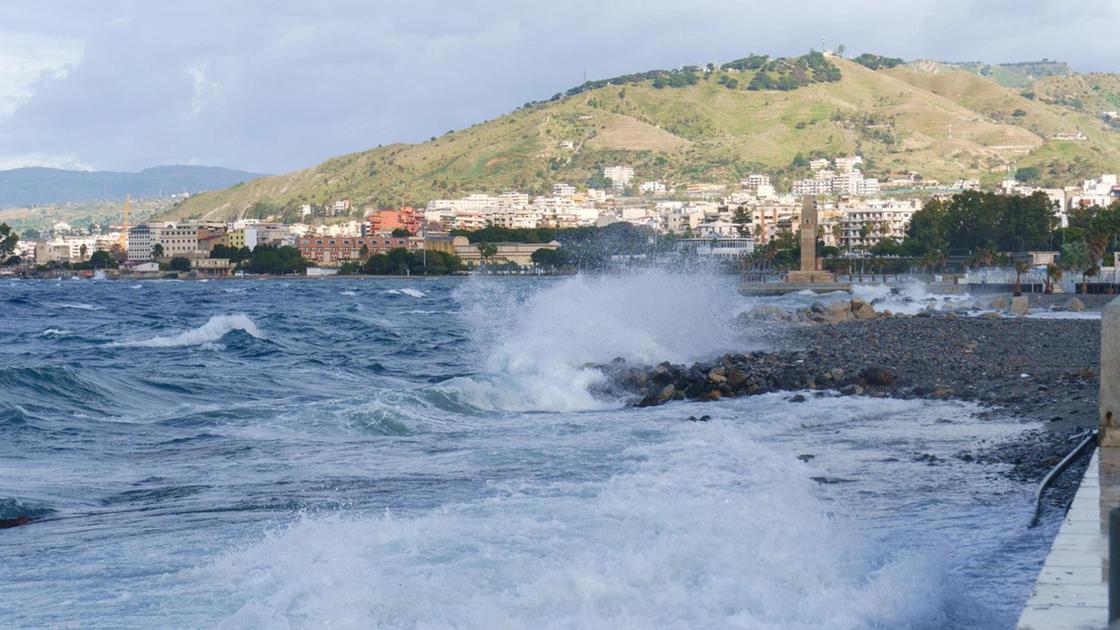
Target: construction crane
column 122, row 240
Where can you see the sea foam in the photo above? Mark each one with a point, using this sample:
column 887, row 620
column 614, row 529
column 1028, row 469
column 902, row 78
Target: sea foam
column 711, row 528
column 214, row 329
column 80, row 306
column 537, row 346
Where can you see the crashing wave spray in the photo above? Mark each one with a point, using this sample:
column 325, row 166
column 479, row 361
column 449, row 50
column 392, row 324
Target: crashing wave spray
column 538, row 339
column 214, row 329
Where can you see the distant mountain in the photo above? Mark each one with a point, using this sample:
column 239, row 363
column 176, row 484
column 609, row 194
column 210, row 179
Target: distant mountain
column 36, row 186
column 756, row 114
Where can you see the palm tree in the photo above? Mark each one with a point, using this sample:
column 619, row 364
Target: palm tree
column 82, row 251
column 487, row 251
column 157, row 251
column 1053, row 274
column 864, row 232
column 1021, row 267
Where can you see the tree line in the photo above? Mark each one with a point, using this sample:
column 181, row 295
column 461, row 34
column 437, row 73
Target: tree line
column 401, row 261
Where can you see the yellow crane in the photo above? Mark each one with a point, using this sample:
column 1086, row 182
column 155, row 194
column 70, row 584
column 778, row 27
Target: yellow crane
column 122, row 240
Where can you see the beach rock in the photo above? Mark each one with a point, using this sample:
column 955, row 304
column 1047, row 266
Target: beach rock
column 863, row 311
column 877, row 376
column 1020, row 305
column 991, row 315
column 1075, row 305
column 1000, row 303
column 851, row 390
column 717, row 376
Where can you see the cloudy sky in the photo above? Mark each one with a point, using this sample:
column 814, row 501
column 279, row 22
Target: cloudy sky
column 277, row 85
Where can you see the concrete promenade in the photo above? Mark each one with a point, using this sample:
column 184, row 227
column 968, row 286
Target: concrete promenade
column 1072, row 588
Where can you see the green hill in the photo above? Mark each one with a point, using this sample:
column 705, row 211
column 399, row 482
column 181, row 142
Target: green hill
column 714, row 125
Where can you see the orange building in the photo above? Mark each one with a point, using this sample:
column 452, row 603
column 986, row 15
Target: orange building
column 330, row 250
column 385, row 221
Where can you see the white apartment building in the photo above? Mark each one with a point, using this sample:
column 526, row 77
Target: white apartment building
column 514, row 199
column 1095, row 192
column 620, row 176
column 477, row 203
column 141, row 239
column 813, row 187
column 753, row 181
column 654, row 187
column 69, row 248
column 341, row 206
column 178, row 240
column 717, row 229
column 828, row 182
column 1057, row 197
column 848, row 164
column 767, row 220
column 884, row 218
column 819, row 164
column 562, row 190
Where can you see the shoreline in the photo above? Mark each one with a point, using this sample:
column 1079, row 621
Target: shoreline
column 1041, row 372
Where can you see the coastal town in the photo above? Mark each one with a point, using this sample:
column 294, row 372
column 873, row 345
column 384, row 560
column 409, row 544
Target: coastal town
column 679, row 315
column 855, row 214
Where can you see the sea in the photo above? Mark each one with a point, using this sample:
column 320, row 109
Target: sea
column 433, row 453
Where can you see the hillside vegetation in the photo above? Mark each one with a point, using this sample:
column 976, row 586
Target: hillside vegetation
column 716, row 125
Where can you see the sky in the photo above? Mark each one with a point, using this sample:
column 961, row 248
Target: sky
column 274, row 86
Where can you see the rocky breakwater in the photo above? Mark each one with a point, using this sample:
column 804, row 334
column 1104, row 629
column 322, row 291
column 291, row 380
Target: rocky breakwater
column 1030, row 368
column 752, row 374
column 819, row 313
column 854, row 310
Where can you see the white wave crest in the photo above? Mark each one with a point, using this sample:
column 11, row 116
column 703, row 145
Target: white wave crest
column 711, row 529
column 547, row 334
column 80, row 306
column 214, row 329
column 54, row 332
column 909, row 297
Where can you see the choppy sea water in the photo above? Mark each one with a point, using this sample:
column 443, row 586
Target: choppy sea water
column 426, row 454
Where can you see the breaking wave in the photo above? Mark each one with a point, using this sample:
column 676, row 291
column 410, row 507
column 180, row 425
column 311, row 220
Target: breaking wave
column 213, row 330
column 410, row 292
column 538, row 343
column 710, row 529
column 81, row 306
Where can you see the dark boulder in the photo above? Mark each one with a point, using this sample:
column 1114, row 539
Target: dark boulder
column 877, row 376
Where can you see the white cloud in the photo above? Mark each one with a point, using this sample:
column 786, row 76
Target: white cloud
column 26, row 60
column 68, row 161
column 282, row 85
column 202, row 86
